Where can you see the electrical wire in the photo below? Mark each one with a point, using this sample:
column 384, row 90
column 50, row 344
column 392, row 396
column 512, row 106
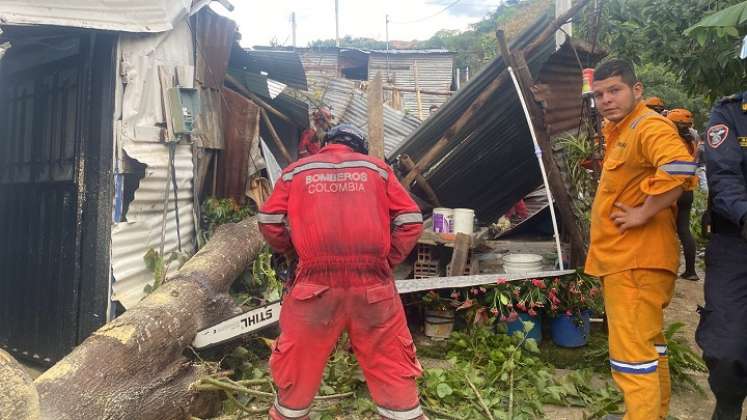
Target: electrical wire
column 449, row 6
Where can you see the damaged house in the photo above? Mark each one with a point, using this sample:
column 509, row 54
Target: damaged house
column 114, row 122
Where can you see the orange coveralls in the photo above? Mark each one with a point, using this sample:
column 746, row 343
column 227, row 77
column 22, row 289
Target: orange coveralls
column 644, row 157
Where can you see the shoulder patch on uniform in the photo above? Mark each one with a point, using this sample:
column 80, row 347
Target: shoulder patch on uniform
column 717, row 135
column 742, row 142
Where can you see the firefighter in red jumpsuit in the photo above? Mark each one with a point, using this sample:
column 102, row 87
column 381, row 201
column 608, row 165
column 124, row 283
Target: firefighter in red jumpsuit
column 350, row 221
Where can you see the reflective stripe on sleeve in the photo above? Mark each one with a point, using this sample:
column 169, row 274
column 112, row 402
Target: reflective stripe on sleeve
column 270, row 218
column 407, row 218
column 679, row 168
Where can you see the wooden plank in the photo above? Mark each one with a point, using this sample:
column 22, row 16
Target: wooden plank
column 274, row 135
column 417, row 92
column 408, row 164
column 461, row 254
column 376, row 117
column 236, row 84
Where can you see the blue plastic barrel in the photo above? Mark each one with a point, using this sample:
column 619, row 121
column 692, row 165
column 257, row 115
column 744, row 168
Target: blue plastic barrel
column 535, row 332
column 567, row 333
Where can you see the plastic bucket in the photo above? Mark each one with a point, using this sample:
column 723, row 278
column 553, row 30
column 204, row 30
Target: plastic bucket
column 522, row 263
column 439, row 324
column 535, row 332
column 567, row 333
column 464, row 221
column 443, row 220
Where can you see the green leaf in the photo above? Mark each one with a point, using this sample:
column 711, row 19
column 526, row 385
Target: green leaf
column 504, row 299
column 531, row 345
column 443, row 389
column 528, row 325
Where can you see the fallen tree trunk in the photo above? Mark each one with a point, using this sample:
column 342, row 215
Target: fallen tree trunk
column 134, row 367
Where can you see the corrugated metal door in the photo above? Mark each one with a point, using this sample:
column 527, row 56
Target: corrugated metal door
column 44, row 122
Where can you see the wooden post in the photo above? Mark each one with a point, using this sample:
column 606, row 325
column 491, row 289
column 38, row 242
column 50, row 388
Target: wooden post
column 376, row 117
column 557, row 186
column 461, row 255
column 275, row 137
column 417, row 92
column 408, row 164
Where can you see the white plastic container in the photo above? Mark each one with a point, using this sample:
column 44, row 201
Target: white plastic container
column 443, row 220
column 522, row 263
column 464, row 221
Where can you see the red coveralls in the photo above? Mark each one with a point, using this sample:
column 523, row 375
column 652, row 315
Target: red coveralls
column 350, row 221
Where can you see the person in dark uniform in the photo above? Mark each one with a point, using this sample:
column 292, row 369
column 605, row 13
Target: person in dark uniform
column 722, row 332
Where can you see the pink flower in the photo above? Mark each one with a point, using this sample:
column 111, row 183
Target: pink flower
column 568, row 312
column 520, row 306
column 532, row 312
column 473, row 291
column 538, row 283
column 483, row 290
column 513, row 316
column 494, row 311
column 501, row 280
column 504, row 318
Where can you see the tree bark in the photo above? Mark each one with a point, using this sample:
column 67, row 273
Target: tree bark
column 134, row 367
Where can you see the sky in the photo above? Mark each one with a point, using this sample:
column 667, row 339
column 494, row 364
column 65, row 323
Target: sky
column 261, row 21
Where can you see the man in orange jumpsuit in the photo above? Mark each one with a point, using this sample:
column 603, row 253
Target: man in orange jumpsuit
column 634, row 246
column 350, row 221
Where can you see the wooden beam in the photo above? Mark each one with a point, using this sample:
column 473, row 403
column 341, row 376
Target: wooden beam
column 236, row 84
column 376, row 117
column 460, row 256
column 463, row 119
column 559, row 191
column 274, row 135
column 417, row 92
column 408, row 165
column 422, row 91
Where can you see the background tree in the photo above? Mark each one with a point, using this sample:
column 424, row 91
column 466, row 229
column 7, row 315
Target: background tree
column 654, row 32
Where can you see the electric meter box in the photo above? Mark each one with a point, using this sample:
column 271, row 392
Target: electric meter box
column 184, row 105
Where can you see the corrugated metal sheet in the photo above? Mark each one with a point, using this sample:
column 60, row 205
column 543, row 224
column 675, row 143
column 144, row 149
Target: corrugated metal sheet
column 111, row 15
column 350, row 105
column 319, row 66
column 283, row 66
column 142, row 231
column 434, row 73
column 493, row 150
column 214, row 37
column 559, row 85
column 139, row 138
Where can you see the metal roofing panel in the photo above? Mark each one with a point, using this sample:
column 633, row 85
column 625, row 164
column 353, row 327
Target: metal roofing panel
column 109, row 15
column 350, row 105
column 434, row 73
column 494, row 150
column 283, row 66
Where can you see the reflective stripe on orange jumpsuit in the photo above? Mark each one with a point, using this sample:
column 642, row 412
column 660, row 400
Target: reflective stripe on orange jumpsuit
column 350, row 220
column 644, row 156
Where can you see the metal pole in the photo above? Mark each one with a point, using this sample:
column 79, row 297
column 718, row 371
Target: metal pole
column 538, row 153
column 337, row 23
column 458, row 83
column 293, row 23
